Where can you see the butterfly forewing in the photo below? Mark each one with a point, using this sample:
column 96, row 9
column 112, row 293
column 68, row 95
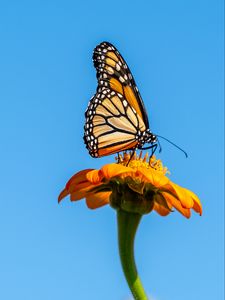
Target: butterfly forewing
column 113, row 72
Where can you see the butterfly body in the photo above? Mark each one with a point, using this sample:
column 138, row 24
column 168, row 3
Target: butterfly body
column 116, row 119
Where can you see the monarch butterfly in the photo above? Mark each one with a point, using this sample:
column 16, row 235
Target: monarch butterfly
column 116, row 119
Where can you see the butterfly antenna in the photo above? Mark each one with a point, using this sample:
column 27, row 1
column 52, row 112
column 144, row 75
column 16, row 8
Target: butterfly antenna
column 185, row 153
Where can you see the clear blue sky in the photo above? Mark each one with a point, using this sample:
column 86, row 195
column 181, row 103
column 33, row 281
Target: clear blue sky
column 175, row 51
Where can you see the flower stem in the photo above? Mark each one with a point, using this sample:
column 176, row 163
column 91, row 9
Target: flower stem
column 127, row 227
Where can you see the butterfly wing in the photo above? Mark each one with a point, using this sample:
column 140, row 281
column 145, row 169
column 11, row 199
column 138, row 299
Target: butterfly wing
column 116, row 116
column 114, row 73
column 112, row 124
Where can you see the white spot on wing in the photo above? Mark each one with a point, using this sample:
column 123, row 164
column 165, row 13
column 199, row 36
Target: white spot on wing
column 118, row 67
column 121, row 79
column 125, row 103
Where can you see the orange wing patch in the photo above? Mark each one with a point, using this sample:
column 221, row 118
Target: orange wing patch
column 112, row 55
column 129, row 95
column 110, row 62
column 114, row 73
column 116, row 85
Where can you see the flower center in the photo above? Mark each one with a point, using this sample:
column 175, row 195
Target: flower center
column 138, row 161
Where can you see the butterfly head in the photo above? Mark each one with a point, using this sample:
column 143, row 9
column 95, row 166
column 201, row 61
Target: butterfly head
column 146, row 137
column 151, row 138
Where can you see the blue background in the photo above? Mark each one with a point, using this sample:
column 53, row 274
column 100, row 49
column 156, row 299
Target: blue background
column 175, row 51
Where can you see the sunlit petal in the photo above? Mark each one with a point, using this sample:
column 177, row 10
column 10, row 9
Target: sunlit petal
column 143, row 179
column 112, row 170
column 154, row 177
column 94, row 176
column 182, row 194
column 197, row 204
column 177, row 204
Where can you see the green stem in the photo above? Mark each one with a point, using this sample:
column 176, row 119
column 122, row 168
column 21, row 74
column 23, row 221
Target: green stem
column 127, row 226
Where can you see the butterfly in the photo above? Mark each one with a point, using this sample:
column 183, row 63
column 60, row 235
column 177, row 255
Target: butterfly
column 116, row 119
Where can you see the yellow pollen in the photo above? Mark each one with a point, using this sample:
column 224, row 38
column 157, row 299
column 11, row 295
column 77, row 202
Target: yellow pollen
column 138, row 161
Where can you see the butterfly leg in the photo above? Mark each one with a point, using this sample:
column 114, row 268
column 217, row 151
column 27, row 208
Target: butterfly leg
column 132, row 154
column 152, row 147
column 118, row 157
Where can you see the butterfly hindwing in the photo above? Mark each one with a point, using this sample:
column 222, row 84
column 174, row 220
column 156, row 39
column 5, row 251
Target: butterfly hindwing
column 112, row 124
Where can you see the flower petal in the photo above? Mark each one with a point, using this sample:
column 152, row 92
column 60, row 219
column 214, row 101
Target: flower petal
column 112, row 170
column 177, row 204
column 154, row 177
column 63, row 194
column 97, row 200
column 94, row 176
column 78, row 186
column 161, row 210
column 181, row 193
column 79, row 177
column 79, row 194
column 76, row 183
column 197, row 204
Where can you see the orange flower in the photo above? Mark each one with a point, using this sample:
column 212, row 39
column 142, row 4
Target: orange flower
column 140, row 188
